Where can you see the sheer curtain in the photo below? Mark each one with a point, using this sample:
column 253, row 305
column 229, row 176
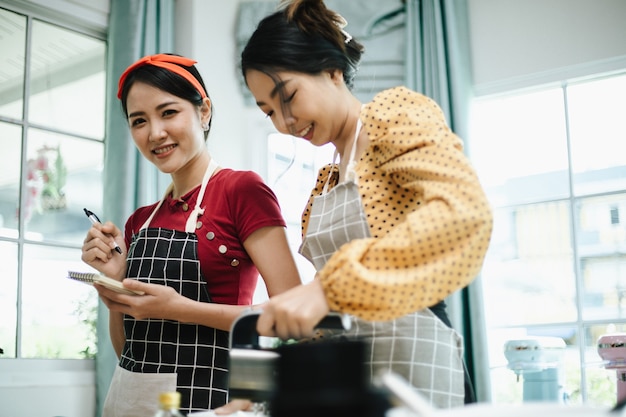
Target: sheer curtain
column 137, row 28
column 438, row 65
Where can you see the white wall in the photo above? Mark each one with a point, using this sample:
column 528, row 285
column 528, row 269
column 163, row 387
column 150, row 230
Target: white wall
column 47, row 388
column 205, row 31
column 522, row 43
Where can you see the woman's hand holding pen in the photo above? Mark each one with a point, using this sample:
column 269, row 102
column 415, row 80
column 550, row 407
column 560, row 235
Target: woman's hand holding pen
column 95, row 220
column 98, row 250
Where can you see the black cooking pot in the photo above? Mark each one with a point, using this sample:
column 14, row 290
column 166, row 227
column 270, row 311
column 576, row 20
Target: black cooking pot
column 324, row 378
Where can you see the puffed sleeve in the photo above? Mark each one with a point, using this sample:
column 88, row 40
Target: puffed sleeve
column 436, row 230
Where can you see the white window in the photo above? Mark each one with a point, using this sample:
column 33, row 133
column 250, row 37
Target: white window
column 52, row 109
column 293, row 165
column 553, row 162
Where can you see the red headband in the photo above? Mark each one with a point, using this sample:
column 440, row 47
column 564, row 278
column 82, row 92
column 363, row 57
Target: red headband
column 169, row 62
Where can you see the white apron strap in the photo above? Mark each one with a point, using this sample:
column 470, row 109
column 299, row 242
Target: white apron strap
column 350, row 171
column 190, row 227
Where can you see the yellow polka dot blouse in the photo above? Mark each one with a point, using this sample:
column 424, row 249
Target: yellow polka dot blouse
column 429, row 218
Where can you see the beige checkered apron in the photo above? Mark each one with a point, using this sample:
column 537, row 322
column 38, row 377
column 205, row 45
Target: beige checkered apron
column 418, row 346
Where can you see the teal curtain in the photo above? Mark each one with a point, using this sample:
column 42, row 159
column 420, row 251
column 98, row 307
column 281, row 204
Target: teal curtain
column 137, row 28
column 438, row 64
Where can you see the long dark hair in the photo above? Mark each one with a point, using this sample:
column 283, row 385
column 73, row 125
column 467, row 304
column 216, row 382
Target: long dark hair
column 302, row 36
column 169, row 82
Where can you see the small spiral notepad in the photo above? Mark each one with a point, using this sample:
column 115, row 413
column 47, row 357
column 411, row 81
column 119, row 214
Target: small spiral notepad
column 94, row 278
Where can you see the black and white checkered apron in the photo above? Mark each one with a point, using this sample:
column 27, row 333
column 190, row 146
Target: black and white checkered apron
column 419, row 346
column 196, row 355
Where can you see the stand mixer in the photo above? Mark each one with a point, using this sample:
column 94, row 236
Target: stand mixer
column 612, row 349
column 539, row 361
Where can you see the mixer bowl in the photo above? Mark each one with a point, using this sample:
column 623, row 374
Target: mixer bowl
column 612, row 348
column 534, row 353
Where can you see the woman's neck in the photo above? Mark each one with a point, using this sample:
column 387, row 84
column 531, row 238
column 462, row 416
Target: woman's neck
column 354, row 138
column 344, row 145
column 190, row 176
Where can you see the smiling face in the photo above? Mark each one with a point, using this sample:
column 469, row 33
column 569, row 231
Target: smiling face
column 166, row 129
column 312, row 107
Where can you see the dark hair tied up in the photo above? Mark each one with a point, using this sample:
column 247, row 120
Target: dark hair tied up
column 302, row 36
column 314, row 18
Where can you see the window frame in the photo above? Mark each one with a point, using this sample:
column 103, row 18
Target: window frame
column 97, row 30
column 573, row 200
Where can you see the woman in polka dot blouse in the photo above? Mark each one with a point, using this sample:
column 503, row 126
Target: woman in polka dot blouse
column 394, row 226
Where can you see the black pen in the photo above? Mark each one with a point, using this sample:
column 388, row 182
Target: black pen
column 94, row 219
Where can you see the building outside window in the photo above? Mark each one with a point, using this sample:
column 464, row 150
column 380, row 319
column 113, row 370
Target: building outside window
column 52, row 109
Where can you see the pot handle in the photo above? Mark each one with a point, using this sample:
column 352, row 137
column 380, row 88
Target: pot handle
column 243, row 332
